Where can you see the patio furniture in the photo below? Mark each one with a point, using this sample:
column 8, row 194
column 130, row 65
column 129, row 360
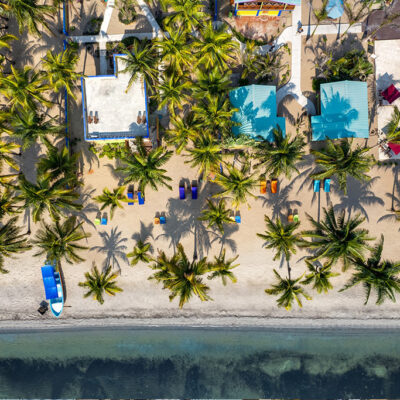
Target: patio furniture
column 391, row 94
column 238, row 218
column 140, row 198
column 327, row 185
column 274, row 185
column 182, row 194
column 263, row 186
column 156, row 220
column 317, row 185
column 129, row 194
column 163, row 220
column 296, row 218
column 290, row 217
column 97, row 221
column 103, row 220
column 194, row 191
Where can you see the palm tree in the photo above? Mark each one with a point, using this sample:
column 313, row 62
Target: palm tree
column 211, row 83
column 146, row 168
column 6, row 151
column 215, row 114
column 320, row 14
column 281, row 156
column 24, row 88
column 376, row 274
column 221, row 268
column 29, row 126
column 289, row 290
column 216, row 215
column 356, row 12
column 336, row 238
column 45, row 195
column 112, row 199
column 60, row 241
column 319, row 276
column 340, row 160
column 182, row 277
column 171, row 93
column 216, row 47
column 236, row 184
column 176, row 54
column 187, row 14
column 99, row 283
column 8, row 202
column 205, row 154
column 58, row 163
column 281, row 238
column 140, row 253
column 60, row 70
column 393, row 128
column 141, row 62
column 5, row 40
column 184, row 129
column 29, row 14
column 11, row 241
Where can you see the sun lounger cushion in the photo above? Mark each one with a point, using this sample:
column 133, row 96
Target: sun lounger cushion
column 140, row 198
column 104, row 221
column 97, row 221
column 263, row 187
column 391, row 94
column 296, row 218
column 194, row 192
column 238, row 219
column 290, row 218
column 394, row 147
column 163, row 220
column 327, row 185
column 274, row 185
column 317, row 185
column 182, row 192
column 130, row 197
column 156, row 220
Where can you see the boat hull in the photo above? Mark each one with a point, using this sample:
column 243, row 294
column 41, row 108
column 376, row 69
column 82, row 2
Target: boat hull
column 57, row 304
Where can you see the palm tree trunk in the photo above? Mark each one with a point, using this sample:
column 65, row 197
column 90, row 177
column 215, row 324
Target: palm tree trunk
column 288, row 268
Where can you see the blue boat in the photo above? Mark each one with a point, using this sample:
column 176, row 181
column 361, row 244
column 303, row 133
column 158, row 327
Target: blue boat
column 53, row 288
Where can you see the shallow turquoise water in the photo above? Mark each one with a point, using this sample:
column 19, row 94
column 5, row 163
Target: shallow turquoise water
column 200, row 363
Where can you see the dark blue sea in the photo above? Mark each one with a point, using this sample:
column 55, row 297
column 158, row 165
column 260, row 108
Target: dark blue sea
column 200, row 363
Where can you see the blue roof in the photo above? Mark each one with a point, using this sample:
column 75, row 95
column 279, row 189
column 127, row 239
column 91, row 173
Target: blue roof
column 50, row 287
column 257, row 111
column 344, row 111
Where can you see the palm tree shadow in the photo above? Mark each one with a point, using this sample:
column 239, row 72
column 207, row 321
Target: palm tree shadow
column 359, row 194
column 279, row 202
column 146, row 232
column 115, row 173
column 88, row 206
column 225, row 240
column 113, row 248
column 183, row 221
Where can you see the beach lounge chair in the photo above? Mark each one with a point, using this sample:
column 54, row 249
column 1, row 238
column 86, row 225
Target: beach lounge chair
column 129, row 194
column 194, row 191
column 290, row 217
column 317, row 185
column 296, row 218
column 156, row 220
column 263, row 186
column 182, row 194
column 327, row 185
column 140, row 198
column 238, row 219
column 103, row 220
column 390, row 94
column 163, row 220
column 274, row 185
column 97, row 221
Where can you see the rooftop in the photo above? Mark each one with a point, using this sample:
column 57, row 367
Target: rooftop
column 257, row 111
column 117, row 110
column 344, row 111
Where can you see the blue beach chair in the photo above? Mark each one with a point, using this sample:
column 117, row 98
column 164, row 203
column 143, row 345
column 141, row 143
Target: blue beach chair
column 129, row 194
column 238, row 219
column 327, row 185
column 194, row 192
column 182, row 194
column 163, row 220
column 317, row 185
column 103, row 220
column 140, row 198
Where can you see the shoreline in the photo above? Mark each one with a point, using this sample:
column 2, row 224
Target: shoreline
column 245, row 323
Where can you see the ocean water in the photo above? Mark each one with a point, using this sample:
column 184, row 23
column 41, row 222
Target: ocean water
column 200, row 363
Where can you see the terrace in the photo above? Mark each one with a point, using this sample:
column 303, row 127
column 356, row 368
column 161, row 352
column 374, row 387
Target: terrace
column 110, row 112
